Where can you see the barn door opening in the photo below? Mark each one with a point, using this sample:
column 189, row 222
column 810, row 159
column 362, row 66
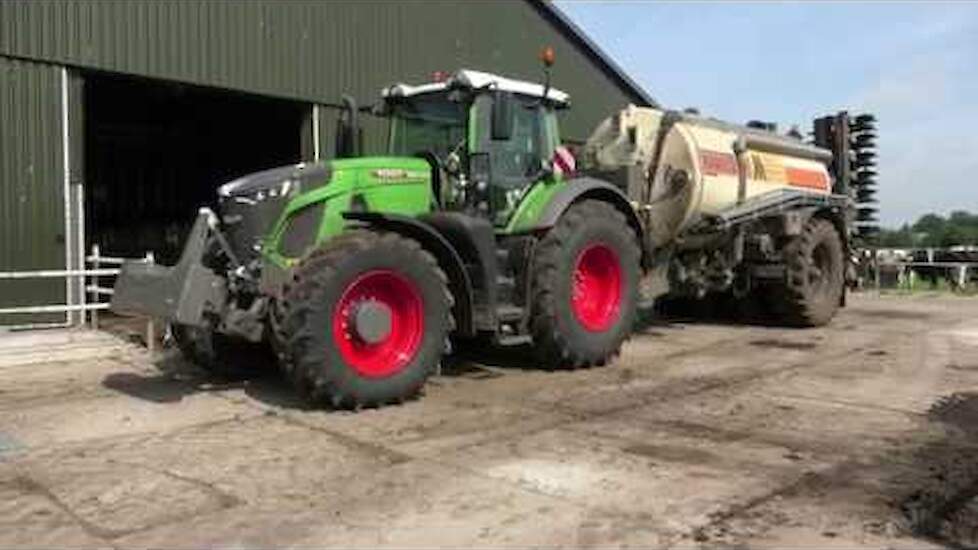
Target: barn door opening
column 155, row 151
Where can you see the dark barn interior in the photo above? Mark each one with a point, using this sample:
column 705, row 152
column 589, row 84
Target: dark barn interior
column 155, row 151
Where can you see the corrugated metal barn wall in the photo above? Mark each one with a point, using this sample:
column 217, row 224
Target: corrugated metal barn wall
column 32, row 227
column 309, row 51
column 306, row 50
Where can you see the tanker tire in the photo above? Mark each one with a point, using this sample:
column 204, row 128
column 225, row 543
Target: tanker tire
column 314, row 362
column 812, row 288
column 560, row 339
column 218, row 354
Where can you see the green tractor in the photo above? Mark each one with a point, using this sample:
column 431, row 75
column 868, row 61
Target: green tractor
column 360, row 272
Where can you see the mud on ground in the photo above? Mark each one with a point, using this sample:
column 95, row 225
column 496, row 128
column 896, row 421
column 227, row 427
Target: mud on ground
column 703, row 434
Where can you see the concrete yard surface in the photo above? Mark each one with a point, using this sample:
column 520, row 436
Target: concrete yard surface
column 703, row 434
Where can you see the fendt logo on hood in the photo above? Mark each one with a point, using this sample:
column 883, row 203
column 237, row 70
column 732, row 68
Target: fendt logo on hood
column 398, row 174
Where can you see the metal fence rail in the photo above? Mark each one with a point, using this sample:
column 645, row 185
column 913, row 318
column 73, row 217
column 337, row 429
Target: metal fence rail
column 91, row 298
column 959, row 275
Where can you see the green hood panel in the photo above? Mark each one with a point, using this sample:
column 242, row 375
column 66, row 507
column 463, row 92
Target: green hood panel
column 399, row 185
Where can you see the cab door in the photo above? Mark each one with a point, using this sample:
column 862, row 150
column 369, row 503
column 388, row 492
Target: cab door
column 516, row 158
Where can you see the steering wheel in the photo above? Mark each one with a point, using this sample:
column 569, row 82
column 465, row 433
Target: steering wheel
column 441, row 167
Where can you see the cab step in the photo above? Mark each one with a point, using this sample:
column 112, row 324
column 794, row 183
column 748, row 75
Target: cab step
column 511, row 340
column 509, row 313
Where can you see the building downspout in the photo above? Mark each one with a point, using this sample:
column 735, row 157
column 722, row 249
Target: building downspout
column 316, row 154
column 67, row 196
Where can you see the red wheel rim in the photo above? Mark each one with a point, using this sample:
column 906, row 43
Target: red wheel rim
column 596, row 294
column 401, row 299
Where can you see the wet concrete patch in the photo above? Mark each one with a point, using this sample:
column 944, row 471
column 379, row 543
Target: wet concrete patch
column 963, row 367
column 668, row 453
column 944, row 506
column 783, row 344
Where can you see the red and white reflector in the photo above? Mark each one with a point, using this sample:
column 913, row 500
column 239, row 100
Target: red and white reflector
column 563, row 161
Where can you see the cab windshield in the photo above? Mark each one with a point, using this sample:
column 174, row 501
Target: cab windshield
column 428, row 123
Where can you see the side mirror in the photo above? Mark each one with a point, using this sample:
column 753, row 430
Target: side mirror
column 479, row 169
column 502, row 115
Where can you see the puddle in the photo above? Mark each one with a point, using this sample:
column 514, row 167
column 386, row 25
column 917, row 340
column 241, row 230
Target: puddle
column 8, row 444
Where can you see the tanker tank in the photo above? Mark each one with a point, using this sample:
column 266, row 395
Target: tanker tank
column 690, row 166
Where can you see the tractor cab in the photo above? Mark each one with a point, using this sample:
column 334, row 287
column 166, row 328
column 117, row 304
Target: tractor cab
column 489, row 138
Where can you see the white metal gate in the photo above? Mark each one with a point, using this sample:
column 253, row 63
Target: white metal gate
column 87, row 306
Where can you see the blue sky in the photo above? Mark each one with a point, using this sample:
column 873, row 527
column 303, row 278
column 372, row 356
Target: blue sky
column 915, row 65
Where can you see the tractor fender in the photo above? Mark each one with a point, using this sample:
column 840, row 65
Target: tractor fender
column 582, row 188
column 459, row 282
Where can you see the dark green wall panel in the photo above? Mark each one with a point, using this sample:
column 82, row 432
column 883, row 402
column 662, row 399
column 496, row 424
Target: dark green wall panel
column 308, row 50
column 31, row 184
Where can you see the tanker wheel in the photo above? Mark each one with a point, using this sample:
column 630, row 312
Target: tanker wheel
column 812, row 288
column 366, row 320
column 585, row 287
column 219, row 354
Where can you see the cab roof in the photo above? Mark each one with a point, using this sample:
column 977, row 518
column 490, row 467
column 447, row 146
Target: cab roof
column 467, row 78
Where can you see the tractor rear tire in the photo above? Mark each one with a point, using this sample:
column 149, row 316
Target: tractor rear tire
column 366, row 320
column 585, row 287
column 217, row 353
column 811, row 291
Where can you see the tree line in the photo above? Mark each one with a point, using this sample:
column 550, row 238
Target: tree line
column 933, row 230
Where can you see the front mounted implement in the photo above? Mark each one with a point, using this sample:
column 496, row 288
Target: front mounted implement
column 181, row 293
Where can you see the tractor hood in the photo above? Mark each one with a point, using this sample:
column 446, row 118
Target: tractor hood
column 277, row 182
column 249, row 206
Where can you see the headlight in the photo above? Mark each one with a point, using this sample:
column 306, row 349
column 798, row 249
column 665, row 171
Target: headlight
column 287, row 181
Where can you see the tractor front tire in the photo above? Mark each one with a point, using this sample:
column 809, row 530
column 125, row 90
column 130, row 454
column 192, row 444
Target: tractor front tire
column 812, row 289
column 585, row 287
column 366, row 320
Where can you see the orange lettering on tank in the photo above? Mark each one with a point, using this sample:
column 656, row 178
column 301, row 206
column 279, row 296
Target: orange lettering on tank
column 811, row 179
column 714, row 163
